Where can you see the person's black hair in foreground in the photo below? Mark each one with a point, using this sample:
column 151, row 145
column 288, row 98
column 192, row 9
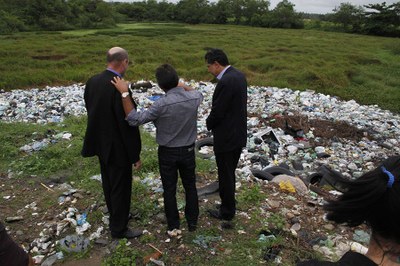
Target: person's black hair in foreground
column 374, row 198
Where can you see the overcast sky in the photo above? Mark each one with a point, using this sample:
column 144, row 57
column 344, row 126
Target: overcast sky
column 308, row 6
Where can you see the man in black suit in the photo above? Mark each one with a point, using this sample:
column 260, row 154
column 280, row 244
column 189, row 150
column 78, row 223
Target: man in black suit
column 228, row 123
column 116, row 144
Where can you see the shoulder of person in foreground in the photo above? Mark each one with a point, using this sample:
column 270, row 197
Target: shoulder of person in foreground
column 350, row 258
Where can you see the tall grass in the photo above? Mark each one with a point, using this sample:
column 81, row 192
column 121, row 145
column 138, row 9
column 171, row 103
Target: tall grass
column 364, row 68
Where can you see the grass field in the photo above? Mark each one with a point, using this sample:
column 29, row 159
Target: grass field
column 364, row 68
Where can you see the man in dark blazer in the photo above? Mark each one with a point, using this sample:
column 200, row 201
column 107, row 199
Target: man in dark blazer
column 228, row 123
column 116, row 144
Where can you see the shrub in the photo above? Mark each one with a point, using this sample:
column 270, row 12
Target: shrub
column 10, row 23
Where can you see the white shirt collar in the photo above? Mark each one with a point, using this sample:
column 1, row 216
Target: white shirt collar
column 222, row 72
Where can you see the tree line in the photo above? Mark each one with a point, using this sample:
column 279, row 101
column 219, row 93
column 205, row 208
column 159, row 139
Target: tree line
column 373, row 19
column 28, row 15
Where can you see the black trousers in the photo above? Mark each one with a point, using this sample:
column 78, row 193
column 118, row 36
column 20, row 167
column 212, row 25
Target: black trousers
column 172, row 160
column 117, row 188
column 226, row 163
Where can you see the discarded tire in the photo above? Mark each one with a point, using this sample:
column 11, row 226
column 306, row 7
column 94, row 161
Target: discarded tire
column 209, row 141
column 276, row 170
column 332, row 177
column 143, row 86
column 297, row 165
column 262, row 174
column 284, row 165
column 208, row 189
column 315, row 178
column 323, row 178
column 323, row 169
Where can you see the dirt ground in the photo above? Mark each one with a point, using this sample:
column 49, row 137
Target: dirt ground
column 305, row 210
column 326, row 130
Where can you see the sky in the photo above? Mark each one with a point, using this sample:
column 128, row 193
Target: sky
column 309, row 6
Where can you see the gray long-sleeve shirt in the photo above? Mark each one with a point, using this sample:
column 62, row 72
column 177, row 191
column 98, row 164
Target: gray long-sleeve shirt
column 174, row 115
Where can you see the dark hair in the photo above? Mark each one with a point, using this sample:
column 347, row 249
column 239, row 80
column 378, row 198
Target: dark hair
column 216, row 55
column 369, row 199
column 117, row 56
column 166, row 76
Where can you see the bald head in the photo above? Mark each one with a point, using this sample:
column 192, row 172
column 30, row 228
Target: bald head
column 118, row 60
column 116, row 55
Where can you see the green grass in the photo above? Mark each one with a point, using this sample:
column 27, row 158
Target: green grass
column 364, row 68
column 250, row 196
column 123, row 255
column 64, row 156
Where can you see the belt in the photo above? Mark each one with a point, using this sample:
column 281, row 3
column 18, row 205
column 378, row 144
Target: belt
column 176, row 148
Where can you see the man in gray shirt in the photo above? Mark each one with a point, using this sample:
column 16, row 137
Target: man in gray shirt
column 175, row 118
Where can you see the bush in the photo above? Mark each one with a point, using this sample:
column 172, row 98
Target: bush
column 54, row 24
column 10, row 23
column 260, row 20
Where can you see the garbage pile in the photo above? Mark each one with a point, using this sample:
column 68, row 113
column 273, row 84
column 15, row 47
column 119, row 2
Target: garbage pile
column 48, row 105
column 41, row 142
column 343, row 135
column 291, row 134
column 300, row 129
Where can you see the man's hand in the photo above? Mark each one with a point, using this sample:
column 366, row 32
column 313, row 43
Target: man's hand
column 120, row 84
column 184, row 86
column 137, row 165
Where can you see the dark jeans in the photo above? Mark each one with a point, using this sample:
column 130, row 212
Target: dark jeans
column 226, row 163
column 172, row 160
column 117, row 186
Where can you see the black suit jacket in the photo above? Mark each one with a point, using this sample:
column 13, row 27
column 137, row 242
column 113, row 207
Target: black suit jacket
column 228, row 116
column 108, row 135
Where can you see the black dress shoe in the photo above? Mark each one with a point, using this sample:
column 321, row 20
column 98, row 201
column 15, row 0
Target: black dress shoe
column 130, row 233
column 192, row 227
column 217, row 214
